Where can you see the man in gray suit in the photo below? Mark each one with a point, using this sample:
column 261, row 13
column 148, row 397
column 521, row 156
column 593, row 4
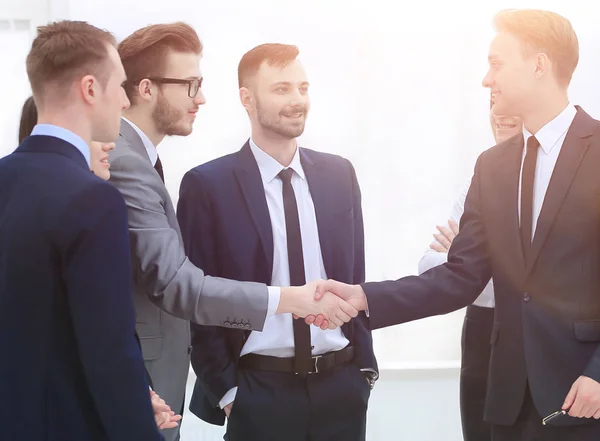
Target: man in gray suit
column 162, row 67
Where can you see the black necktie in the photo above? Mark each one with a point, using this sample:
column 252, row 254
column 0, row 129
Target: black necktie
column 527, row 195
column 303, row 351
column 159, row 169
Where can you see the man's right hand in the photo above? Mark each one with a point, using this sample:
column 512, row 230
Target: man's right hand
column 301, row 302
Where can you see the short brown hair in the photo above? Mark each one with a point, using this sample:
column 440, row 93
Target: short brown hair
column 29, row 117
column 543, row 31
column 144, row 52
column 275, row 54
column 64, row 50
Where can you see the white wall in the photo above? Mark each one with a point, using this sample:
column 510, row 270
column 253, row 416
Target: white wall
column 396, row 88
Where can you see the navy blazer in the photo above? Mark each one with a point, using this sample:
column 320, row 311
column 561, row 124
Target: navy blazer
column 227, row 231
column 547, row 318
column 70, row 368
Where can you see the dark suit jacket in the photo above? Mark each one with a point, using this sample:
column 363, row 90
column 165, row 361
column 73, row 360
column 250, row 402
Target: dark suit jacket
column 547, row 319
column 70, row 368
column 226, row 228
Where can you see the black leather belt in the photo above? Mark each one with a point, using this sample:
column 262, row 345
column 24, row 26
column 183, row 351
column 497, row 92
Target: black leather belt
column 318, row 364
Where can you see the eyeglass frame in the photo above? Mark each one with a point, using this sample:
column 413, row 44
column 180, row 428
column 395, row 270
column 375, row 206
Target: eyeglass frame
column 175, row 81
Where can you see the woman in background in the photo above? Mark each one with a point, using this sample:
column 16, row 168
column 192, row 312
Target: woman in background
column 479, row 319
column 99, row 151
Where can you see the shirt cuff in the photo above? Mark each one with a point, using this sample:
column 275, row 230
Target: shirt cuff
column 273, row 303
column 373, row 371
column 228, row 398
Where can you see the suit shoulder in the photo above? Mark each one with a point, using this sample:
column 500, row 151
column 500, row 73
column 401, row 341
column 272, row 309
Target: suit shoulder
column 493, row 152
column 331, row 159
column 215, row 167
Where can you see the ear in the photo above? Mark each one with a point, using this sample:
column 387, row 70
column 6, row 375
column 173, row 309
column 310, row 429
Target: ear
column 146, row 90
column 542, row 65
column 246, row 98
column 88, row 87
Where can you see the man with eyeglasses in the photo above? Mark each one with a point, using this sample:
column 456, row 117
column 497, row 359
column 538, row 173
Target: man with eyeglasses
column 163, row 86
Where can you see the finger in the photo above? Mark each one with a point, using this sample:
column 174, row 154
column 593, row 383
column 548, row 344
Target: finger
column 309, row 319
column 597, row 414
column 168, row 425
column 341, row 315
column 161, row 408
column 447, row 232
column 435, row 246
column 570, row 399
column 442, row 240
column 589, row 411
column 348, row 310
column 331, row 326
column 325, row 325
column 336, row 320
column 453, row 226
column 576, row 408
column 318, row 320
column 295, row 316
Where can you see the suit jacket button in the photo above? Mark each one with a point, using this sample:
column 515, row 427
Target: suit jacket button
column 247, row 326
column 526, row 298
column 226, row 323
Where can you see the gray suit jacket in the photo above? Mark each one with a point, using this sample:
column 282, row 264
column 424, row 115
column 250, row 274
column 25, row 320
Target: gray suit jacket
column 168, row 289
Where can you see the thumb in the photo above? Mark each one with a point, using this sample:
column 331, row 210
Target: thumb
column 571, row 396
column 320, row 290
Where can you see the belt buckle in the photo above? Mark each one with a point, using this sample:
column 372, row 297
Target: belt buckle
column 316, row 359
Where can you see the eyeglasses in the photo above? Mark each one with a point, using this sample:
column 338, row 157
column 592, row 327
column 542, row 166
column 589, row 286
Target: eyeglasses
column 193, row 85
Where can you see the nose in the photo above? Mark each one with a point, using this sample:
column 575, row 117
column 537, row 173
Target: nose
column 200, row 99
column 488, row 80
column 298, row 98
column 108, row 146
column 125, row 104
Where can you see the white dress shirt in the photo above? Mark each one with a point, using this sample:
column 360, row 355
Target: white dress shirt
column 433, row 258
column 150, row 148
column 551, row 138
column 277, row 336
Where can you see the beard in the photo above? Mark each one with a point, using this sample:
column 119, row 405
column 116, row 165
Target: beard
column 280, row 124
column 167, row 119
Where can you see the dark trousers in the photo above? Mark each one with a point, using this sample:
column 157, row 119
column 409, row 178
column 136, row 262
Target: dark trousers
column 528, row 427
column 273, row 406
column 476, row 349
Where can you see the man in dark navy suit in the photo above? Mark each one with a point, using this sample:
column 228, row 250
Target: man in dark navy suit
column 70, row 368
column 532, row 222
column 281, row 215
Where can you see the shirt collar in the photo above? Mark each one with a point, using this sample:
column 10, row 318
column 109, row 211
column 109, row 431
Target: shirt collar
column 65, row 135
column 270, row 168
column 150, row 148
column 549, row 135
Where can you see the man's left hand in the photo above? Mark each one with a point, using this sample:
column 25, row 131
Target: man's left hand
column 583, row 399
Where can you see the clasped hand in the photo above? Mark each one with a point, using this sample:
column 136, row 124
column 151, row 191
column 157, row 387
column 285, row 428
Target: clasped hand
column 325, row 304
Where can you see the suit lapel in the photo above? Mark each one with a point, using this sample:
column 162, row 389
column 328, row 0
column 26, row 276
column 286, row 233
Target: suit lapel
column 251, row 186
column 508, row 181
column 574, row 148
column 322, row 195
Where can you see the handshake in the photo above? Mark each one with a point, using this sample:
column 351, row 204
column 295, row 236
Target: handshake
column 324, row 303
